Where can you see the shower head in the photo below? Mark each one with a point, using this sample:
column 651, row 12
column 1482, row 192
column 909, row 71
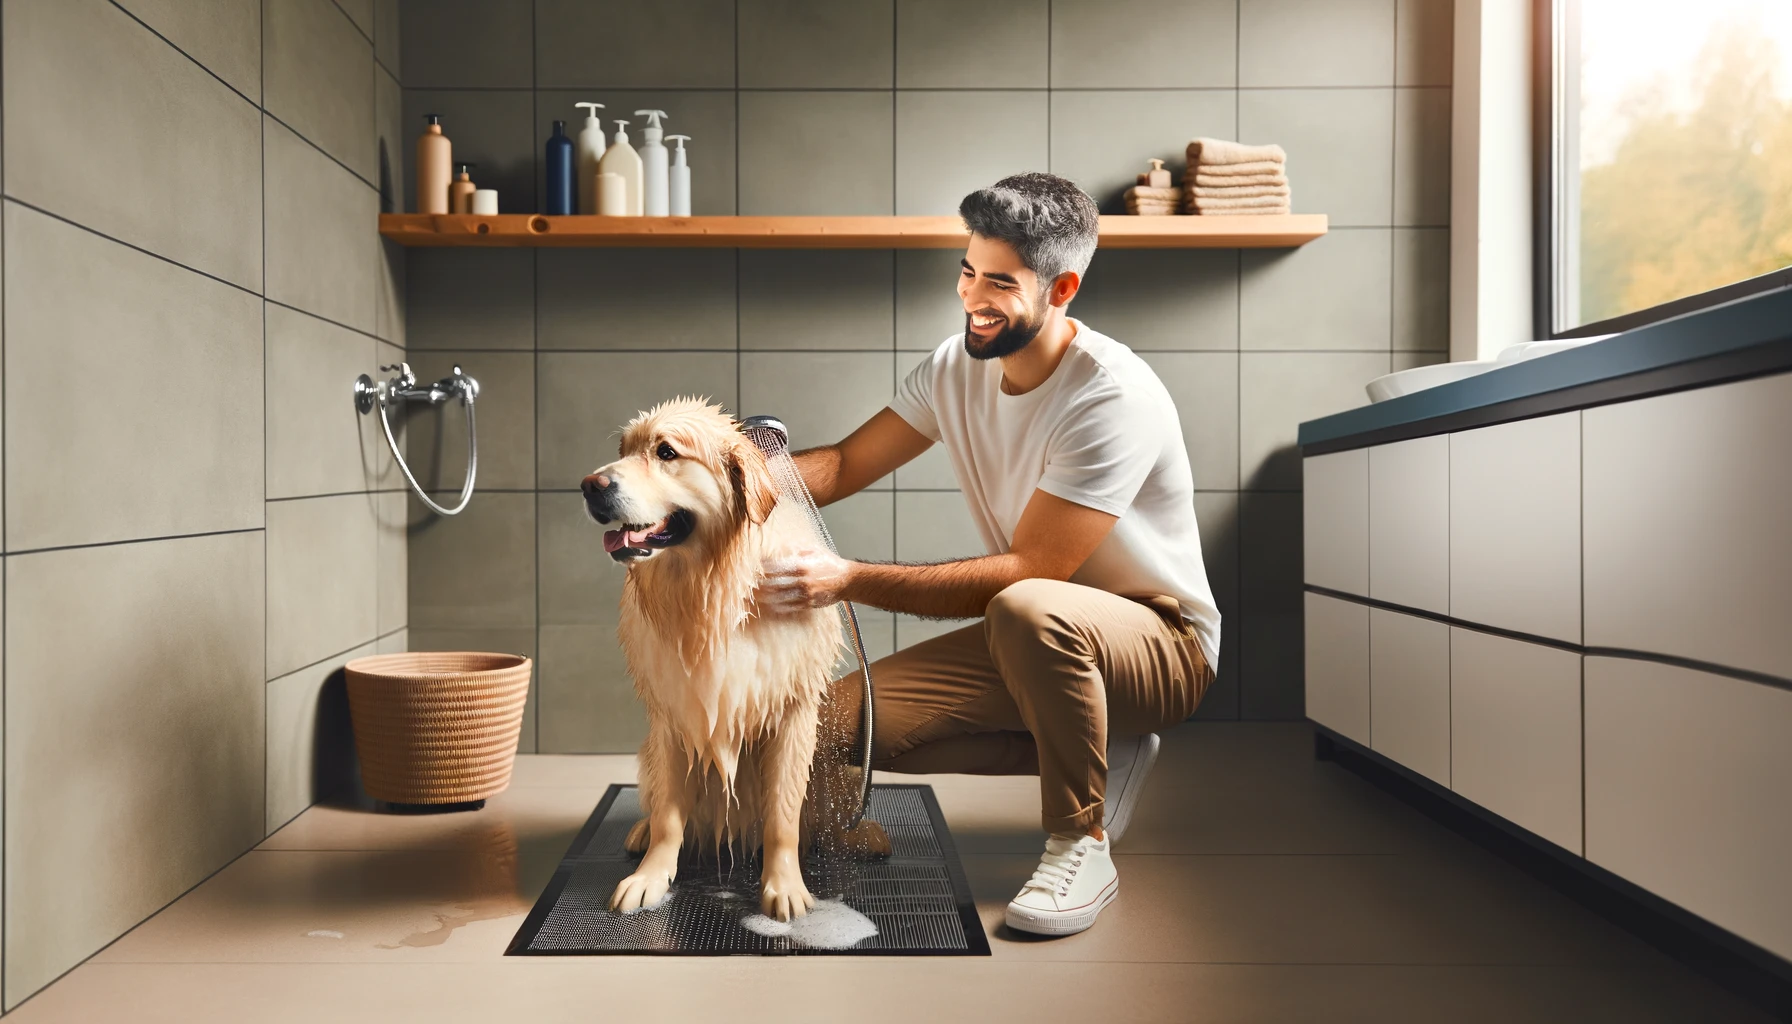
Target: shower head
column 768, row 434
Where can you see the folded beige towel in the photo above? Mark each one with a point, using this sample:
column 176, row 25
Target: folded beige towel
column 1246, row 206
column 1218, row 151
column 1237, row 180
column 1240, row 192
column 1254, row 167
column 1172, row 195
column 1249, row 211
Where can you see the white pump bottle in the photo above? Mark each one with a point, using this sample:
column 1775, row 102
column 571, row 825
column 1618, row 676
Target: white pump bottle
column 678, row 196
column 622, row 160
column 654, row 183
column 590, row 151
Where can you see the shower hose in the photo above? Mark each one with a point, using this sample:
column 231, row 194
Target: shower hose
column 403, row 388
column 466, row 489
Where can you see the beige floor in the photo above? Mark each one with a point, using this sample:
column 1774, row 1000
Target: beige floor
column 1256, row 885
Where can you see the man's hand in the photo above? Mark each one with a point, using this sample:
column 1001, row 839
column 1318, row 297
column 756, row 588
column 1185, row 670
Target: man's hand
column 798, row 582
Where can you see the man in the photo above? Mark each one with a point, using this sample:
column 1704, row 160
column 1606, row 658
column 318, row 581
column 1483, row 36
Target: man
column 1098, row 620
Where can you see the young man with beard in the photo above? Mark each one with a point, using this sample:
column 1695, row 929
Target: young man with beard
column 1098, row 625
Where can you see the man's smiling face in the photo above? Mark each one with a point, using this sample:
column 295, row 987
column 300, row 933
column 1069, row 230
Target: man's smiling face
column 1004, row 302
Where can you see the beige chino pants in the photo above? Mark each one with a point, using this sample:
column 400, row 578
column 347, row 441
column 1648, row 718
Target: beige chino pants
column 1033, row 689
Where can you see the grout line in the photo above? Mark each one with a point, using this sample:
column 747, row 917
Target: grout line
column 535, row 374
column 3, row 574
column 196, row 61
column 133, row 540
column 351, row 21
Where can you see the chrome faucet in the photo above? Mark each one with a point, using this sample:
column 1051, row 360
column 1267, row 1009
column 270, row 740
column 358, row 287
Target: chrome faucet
column 403, row 388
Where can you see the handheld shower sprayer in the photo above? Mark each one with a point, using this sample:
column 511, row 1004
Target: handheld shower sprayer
column 370, row 394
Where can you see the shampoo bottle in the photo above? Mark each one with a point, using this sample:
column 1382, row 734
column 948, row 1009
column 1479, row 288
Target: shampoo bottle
column 461, row 189
column 653, row 164
column 591, row 150
column 434, row 153
column 678, row 194
column 559, row 172
column 622, row 160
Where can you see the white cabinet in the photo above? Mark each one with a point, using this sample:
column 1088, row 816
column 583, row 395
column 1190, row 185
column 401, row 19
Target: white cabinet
column 1688, row 776
column 1409, row 692
column 1515, row 526
column 1335, row 531
column 1515, row 732
column 1338, row 665
column 1688, row 503
column 1409, row 523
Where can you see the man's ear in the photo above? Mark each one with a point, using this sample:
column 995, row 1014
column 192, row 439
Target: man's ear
column 751, row 481
column 1064, row 288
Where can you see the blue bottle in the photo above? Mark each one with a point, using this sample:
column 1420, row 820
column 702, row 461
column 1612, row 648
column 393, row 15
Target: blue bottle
column 561, row 190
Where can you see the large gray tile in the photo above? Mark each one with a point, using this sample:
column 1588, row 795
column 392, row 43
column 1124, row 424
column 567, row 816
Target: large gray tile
column 670, row 44
column 475, row 570
column 436, row 441
column 487, row 128
column 588, row 701
column 394, row 643
column 1144, row 44
column 1333, row 293
column 1340, row 145
column 1277, row 391
column 949, row 144
column 911, row 630
column 815, row 44
column 317, row 442
column 224, row 36
column 90, row 91
column 392, row 549
column 467, row 44
column 640, row 299
column 88, row 415
column 1408, row 360
column 1102, row 140
column 134, row 713
column 935, row 526
column 1422, row 157
column 583, row 399
column 310, row 744
column 323, row 578
column 932, row 469
column 361, row 13
column 708, row 117
column 320, row 255
column 877, row 632
column 1422, row 289
column 864, row 526
column 1175, row 299
column 1424, row 38
column 1204, row 386
column 816, row 153
column 387, row 34
column 580, row 584
column 501, row 640
column 820, row 396
column 390, row 261
column 387, row 476
column 318, row 72
column 1217, row 514
column 817, row 299
column 933, row 50
column 1271, row 636
column 1298, row 42
column 928, row 309
column 470, row 298
column 394, row 141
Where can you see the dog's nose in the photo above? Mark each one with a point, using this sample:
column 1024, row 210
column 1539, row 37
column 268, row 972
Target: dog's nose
column 594, row 483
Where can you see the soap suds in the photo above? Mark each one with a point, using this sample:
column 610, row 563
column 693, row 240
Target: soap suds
column 831, row 924
column 323, row 933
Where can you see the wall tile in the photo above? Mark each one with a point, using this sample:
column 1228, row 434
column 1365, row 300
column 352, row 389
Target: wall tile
column 670, row 44
column 932, row 469
column 1424, row 37
column 935, row 526
column 639, row 299
column 436, row 441
column 475, row 571
column 320, row 257
column 854, row 387
column 225, row 37
column 1270, row 637
column 1340, row 145
column 864, row 526
column 1298, row 42
column 317, row 442
column 1217, row 514
column 707, row 117
column 1333, row 293
column 1408, row 360
column 135, row 713
column 1422, row 157
column 933, row 50
column 318, row 69
column 389, row 291
column 817, row 299
column 1176, row 299
column 911, row 630
column 1421, row 289
column 1102, row 140
column 392, row 549
column 588, row 701
column 361, row 13
column 469, row 44
column 583, row 399
column 310, row 744
column 1204, row 386
column 84, row 408
column 387, row 476
column 1277, row 391
column 580, row 584
column 877, row 632
column 498, row 641
column 928, row 309
column 107, row 94
column 394, row 143
column 470, row 299
column 323, row 580
column 816, row 44
column 387, row 33
column 816, row 153
column 394, row 643
column 1150, row 44
column 489, row 129
column 949, row 144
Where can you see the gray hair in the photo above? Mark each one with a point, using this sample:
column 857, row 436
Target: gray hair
column 1050, row 222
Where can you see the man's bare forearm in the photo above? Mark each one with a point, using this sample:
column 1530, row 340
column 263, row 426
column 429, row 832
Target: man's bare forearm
column 820, row 469
column 952, row 590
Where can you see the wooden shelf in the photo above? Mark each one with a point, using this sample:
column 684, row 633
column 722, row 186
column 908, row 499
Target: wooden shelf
column 1118, row 232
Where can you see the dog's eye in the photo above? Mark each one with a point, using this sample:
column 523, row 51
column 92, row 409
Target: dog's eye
column 666, row 452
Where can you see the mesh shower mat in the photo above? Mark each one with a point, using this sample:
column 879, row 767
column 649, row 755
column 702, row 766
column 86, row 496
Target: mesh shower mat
column 918, row 898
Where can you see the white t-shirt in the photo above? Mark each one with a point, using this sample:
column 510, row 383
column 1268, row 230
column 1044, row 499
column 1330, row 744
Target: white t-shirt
column 1101, row 432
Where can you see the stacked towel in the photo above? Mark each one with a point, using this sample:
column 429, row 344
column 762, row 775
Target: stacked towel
column 1143, row 200
column 1232, row 178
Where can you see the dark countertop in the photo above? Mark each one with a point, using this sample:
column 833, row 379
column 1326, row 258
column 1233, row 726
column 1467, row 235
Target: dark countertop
column 1747, row 338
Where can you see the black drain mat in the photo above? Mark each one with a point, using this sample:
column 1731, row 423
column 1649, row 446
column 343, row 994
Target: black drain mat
column 918, row 898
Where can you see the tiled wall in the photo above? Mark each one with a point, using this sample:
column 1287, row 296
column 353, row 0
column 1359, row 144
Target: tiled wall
column 821, row 106
column 197, row 529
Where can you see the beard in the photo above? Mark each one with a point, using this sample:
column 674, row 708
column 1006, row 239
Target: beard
column 1013, row 337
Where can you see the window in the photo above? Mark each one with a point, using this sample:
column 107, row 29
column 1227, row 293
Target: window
column 1668, row 158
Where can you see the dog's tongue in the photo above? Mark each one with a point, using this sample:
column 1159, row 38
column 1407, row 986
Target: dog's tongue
column 615, row 540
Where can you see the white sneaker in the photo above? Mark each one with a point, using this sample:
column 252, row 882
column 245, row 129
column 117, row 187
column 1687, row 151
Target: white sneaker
column 1072, row 884
column 1129, row 761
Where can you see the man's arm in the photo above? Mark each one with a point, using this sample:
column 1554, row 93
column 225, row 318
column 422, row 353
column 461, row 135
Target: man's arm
column 868, row 454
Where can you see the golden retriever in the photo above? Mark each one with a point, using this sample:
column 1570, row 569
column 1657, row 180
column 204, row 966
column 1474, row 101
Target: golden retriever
column 733, row 699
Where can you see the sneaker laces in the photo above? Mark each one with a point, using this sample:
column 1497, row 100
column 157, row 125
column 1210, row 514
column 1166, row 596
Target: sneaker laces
column 1059, row 865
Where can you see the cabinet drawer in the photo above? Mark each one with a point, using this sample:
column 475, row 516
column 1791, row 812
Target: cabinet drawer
column 1338, row 665
column 1409, row 523
column 1409, row 691
column 1515, row 732
column 1335, row 532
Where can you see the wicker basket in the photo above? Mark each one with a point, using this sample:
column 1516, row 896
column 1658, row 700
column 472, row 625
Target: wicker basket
column 437, row 727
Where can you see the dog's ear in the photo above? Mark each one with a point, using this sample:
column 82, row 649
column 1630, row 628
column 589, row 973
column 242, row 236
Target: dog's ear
column 754, row 491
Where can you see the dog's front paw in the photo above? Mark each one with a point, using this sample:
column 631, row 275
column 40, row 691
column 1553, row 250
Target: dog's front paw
column 643, row 890
column 782, row 894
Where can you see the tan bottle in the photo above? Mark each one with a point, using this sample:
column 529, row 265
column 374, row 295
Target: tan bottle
column 434, row 156
column 460, row 191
